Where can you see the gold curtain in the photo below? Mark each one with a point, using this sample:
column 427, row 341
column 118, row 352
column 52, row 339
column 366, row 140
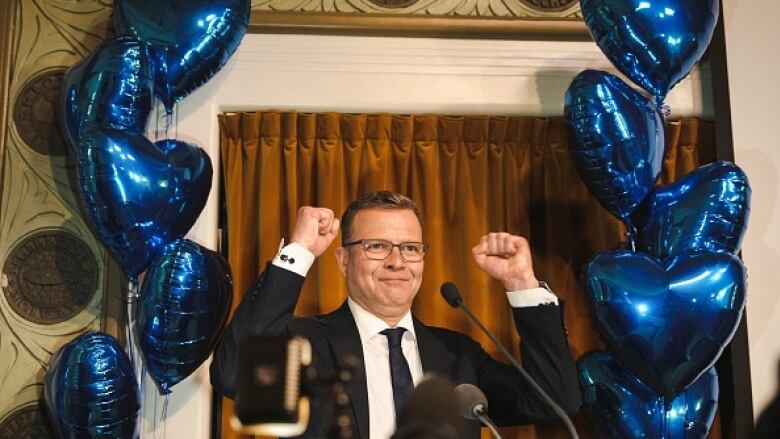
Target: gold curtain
column 470, row 175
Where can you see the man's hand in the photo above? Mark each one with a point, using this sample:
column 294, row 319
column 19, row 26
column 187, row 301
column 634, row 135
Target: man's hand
column 506, row 258
column 315, row 229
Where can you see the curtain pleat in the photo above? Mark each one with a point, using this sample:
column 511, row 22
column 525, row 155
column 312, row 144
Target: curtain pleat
column 470, row 175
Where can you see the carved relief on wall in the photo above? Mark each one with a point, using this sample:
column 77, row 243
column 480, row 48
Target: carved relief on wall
column 28, row 421
column 550, row 5
column 50, row 277
column 35, row 113
column 393, row 4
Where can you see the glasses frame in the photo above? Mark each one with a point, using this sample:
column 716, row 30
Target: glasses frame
column 393, row 245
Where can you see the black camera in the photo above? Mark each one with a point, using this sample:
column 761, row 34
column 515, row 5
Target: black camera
column 269, row 399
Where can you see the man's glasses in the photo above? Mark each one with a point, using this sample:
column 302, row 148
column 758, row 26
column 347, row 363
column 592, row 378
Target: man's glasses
column 380, row 249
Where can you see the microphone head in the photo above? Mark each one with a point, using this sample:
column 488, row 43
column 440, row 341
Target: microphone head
column 451, row 294
column 472, row 400
column 431, row 412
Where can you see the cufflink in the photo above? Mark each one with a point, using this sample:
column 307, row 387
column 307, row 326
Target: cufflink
column 288, row 259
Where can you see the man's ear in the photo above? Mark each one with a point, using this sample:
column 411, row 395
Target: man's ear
column 342, row 254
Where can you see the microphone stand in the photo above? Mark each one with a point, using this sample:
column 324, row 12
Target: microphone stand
column 456, row 301
column 481, row 414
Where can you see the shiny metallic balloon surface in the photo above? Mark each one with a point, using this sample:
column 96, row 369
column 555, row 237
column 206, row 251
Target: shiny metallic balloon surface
column 666, row 322
column 184, row 305
column 91, row 391
column 617, row 139
column 708, row 209
column 655, row 43
column 112, row 88
column 190, row 40
column 140, row 196
column 621, row 406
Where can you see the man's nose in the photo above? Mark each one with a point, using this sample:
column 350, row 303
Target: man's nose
column 395, row 260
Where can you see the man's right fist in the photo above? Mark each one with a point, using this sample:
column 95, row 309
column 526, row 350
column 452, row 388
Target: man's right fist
column 315, row 229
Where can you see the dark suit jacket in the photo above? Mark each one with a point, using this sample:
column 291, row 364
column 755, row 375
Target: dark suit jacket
column 268, row 309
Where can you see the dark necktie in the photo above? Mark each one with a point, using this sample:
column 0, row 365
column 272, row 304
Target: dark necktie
column 399, row 368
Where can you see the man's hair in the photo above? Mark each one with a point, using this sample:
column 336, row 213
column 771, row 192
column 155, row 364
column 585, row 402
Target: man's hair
column 375, row 200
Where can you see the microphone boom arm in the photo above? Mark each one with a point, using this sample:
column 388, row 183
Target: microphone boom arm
column 490, row 425
column 452, row 296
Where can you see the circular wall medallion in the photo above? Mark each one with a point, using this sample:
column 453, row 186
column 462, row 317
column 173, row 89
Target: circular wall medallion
column 35, row 113
column 27, row 422
column 393, row 4
column 52, row 275
column 549, row 5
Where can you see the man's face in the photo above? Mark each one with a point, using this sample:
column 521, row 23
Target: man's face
column 385, row 288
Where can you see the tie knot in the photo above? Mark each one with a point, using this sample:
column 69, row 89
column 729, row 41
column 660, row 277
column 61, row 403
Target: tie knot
column 394, row 336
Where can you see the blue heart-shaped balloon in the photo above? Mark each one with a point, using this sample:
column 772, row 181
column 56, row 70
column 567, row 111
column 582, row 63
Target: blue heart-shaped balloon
column 185, row 301
column 621, row 406
column 91, row 390
column 140, row 196
column 112, row 88
column 190, row 40
column 708, row 209
column 667, row 322
column 653, row 42
column 616, row 138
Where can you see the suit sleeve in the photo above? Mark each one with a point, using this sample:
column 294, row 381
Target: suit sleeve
column 267, row 308
column 546, row 357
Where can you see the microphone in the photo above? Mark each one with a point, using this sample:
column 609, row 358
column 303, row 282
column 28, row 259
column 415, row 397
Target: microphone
column 431, row 412
column 473, row 405
column 451, row 294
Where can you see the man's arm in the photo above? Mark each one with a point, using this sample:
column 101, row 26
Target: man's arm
column 546, row 357
column 267, row 308
column 544, row 349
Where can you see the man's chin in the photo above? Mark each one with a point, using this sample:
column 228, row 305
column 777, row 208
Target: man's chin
column 398, row 297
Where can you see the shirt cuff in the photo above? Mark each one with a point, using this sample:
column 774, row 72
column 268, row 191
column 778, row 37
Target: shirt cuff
column 531, row 297
column 294, row 257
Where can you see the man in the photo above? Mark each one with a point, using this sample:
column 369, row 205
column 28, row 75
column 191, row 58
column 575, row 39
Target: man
column 382, row 260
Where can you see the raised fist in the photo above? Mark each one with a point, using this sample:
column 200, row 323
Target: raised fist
column 315, row 229
column 506, row 258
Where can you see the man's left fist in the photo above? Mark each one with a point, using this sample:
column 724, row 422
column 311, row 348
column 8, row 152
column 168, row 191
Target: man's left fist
column 506, row 258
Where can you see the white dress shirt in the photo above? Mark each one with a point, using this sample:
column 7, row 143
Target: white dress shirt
column 381, row 410
column 376, row 358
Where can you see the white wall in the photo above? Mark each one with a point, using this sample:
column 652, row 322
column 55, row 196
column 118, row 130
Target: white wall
column 752, row 35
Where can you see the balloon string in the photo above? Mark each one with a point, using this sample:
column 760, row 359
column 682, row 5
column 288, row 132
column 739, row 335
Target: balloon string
column 142, row 389
column 157, row 109
column 132, row 346
column 168, row 123
column 663, row 418
column 133, row 350
column 165, row 123
column 154, row 417
column 630, row 233
column 164, row 414
column 173, row 121
column 665, row 110
column 128, row 329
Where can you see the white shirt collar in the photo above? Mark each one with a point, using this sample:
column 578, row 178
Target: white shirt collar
column 370, row 325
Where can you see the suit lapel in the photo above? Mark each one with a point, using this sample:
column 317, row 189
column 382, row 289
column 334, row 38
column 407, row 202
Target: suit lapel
column 437, row 359
column 433, row 354
column 341, row 331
